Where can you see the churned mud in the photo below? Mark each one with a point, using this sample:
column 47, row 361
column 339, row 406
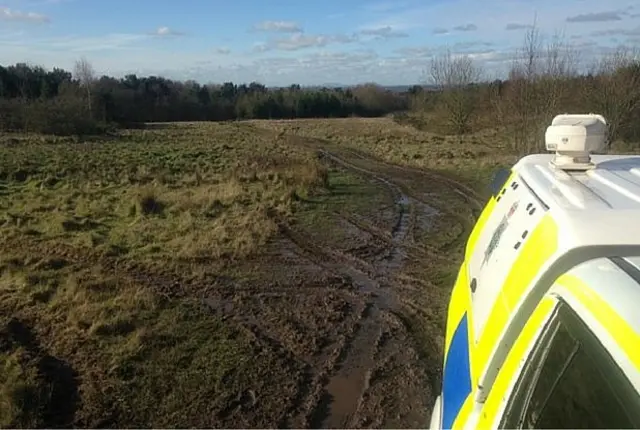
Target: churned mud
column 345, row 315
column 359, row 317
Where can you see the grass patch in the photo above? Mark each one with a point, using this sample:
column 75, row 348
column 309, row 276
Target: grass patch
column 347, row 193
column 195, row 190
column 474, row 157
column 419, row 142
column 170, row 198
column 140, row 357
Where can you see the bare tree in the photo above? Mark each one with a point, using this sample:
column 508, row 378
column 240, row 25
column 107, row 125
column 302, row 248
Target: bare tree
column 84, row 73
column 454, row 76
column 537, row 88
column 613, row 88
column 560, row 66
column 531, row 53
column 561, row 58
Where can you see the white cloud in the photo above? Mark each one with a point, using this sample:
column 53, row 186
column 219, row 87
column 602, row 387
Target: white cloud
column 328, row 67
column 260, row 47
column 290, row 55
column 463, row 48
column 166, row 31
column 302, row 41
column 7, row 14
column 278, row 26
column 617, row 32
column 416, row 51
column 460, row 28
column 126, row 54
column 496, row 14
column 472, row 44
column 67, row 44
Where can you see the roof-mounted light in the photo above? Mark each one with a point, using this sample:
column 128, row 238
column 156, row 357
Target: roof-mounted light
column 573, row 138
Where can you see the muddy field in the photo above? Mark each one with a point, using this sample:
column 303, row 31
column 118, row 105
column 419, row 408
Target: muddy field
column 331, row 316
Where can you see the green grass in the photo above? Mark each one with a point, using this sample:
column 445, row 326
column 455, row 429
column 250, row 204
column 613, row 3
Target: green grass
column 188, row 192
column 134, row 350
column 473, row 157
column 72, row 213
column 347, row 192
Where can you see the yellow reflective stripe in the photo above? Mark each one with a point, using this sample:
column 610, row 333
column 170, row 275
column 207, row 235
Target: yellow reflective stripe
column 482, row 221
column 509, row 370
column 479, row 226
column 541, row 245
column 621, row 332
column 465, row 412
column 459, row 303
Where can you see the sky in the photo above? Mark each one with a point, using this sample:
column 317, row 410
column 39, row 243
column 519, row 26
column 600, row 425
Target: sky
column 308, row 42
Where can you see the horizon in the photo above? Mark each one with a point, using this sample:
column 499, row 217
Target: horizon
column 316, row 44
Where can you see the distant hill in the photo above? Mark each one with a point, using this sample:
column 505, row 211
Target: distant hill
column 398, row 88
column 393, row 88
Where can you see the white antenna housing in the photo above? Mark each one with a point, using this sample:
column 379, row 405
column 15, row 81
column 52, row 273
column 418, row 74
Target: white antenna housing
column 573, row 138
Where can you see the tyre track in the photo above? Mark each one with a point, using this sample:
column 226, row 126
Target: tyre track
column 331, row 385
column 344, row 385
column 469, row 194
column 405, row 209
column 334, row 393
column 348, row 378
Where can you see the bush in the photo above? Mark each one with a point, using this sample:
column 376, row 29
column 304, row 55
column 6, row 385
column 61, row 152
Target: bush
column 61, row 117
column 11, row 114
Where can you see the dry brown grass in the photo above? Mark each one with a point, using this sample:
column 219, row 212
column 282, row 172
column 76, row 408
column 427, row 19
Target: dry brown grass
column 210, row 189
column 474, row 157
column 158, row 197
column 471, row 156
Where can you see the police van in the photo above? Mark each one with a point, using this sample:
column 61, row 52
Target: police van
column 543, row 325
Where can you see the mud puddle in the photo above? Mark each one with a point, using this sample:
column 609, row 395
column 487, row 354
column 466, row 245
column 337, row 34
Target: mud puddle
column 344, row 312
column 350, row 381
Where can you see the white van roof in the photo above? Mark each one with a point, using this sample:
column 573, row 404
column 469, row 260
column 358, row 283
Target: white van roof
column 600, row 206
column 614, row 183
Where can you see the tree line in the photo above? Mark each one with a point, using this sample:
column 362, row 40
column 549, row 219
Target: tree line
column 547, row 76
column 61, row 102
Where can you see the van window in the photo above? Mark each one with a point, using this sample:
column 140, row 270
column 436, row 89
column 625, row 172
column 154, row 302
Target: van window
column 498, row 181
column 572, row 382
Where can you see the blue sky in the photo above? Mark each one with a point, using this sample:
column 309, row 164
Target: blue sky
column 279, row 42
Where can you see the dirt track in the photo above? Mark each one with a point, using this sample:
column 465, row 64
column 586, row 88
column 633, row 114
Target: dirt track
column 357, row 320
column 345, row 316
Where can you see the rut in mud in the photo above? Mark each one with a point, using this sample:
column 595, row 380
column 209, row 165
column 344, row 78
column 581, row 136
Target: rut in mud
column 341, row 315
column 359, row 326
column 273, row 290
